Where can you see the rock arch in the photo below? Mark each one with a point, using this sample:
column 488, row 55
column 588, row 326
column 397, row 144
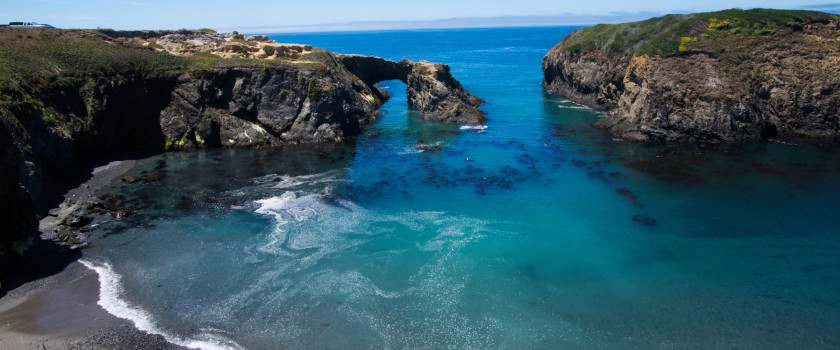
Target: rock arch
column 430, row 87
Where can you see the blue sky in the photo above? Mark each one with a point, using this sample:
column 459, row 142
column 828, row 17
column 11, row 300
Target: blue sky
column 311, row 15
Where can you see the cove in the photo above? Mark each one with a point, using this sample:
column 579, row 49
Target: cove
column 536, row 230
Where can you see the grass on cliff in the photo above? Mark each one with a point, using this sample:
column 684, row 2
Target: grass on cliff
column 673, row 34
column 32, row 58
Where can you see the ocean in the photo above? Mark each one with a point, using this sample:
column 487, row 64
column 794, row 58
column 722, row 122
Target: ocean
column 535, row 231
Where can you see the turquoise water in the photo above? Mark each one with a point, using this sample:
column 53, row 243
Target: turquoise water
column 539, row 231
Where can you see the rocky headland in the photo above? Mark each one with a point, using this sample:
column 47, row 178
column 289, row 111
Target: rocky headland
column 71, row 95
column 724, row 76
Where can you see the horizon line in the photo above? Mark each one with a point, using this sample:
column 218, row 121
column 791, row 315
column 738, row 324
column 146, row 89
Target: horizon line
column 567, row 19
column 448, row 23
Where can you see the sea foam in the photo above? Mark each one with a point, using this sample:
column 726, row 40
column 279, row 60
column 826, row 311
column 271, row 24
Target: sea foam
column 110, row 289
column 477, row 128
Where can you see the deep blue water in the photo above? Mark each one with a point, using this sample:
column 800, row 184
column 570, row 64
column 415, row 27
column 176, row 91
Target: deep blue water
column 539, row 231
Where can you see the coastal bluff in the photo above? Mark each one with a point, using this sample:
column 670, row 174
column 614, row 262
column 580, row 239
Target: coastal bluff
column 725, row 76
column 71, row 95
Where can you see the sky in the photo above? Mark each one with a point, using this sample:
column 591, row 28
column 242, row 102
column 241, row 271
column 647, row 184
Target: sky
column 319, row 15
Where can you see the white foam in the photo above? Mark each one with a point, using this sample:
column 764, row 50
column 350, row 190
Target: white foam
column 110, row 289
column 289, row 209
column 573, row 105
column 474, row 127
column 287, row 206
column 289, row 181
column 410, row 150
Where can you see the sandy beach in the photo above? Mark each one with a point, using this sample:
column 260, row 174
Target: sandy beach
column 60, row 310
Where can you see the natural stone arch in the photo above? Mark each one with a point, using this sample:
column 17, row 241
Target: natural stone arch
column 430, row 88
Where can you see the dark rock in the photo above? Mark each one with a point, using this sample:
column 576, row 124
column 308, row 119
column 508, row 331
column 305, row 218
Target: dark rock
column 67, row 236
column 184, row 203
column 644, row 219
column 666, row 170
column 211, row 200
column 109, row 203
column 624, row 192
column 235, row 104
column 153, row 177
column 92, row 205
column 430, row 88
column 130, row 179
column 122, row 214
column 433, row 91
column 76, row 221
column 721, row 88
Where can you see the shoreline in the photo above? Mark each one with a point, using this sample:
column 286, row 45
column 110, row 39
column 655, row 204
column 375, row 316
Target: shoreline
column 62, row 311
column 55, row 304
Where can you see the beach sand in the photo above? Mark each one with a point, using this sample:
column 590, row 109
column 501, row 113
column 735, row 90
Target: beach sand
column 60, row 310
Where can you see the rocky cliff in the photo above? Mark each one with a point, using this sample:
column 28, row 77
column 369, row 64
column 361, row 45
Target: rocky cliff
column 723, row 76
column 66, row 95
column 430, row 88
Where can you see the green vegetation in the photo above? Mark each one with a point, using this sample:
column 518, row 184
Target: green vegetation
column 323, row 56
column 312, row 89
column 155, row 45
column 174, row 143
column 368, row 97
column 666, row 36
column 419, row 69
column 49, row 118
column 32, row 59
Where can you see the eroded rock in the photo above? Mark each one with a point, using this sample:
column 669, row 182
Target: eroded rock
column 721, row 86
column 430, row 87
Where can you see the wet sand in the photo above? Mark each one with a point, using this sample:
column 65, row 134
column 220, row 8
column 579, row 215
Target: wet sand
column 60, row 311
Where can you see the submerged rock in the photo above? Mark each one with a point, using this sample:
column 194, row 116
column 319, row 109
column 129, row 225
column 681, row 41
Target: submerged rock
column 122, row 214
column 644, row 219
column 130, row 179
column 153, row 177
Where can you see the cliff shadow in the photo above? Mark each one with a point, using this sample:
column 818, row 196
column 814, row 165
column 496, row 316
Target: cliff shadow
column 45, row 258
column 396, row 117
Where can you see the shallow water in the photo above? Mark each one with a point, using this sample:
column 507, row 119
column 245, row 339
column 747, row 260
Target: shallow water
column 538, row 231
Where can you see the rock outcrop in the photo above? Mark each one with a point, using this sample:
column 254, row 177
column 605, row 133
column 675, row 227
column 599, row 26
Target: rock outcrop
column 430, row 87
column 69, row 95
column 722, row 77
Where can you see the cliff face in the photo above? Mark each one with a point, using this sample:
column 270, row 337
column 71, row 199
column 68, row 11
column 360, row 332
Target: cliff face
column 724, row 76
column 66, row 95
column 430, row 88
